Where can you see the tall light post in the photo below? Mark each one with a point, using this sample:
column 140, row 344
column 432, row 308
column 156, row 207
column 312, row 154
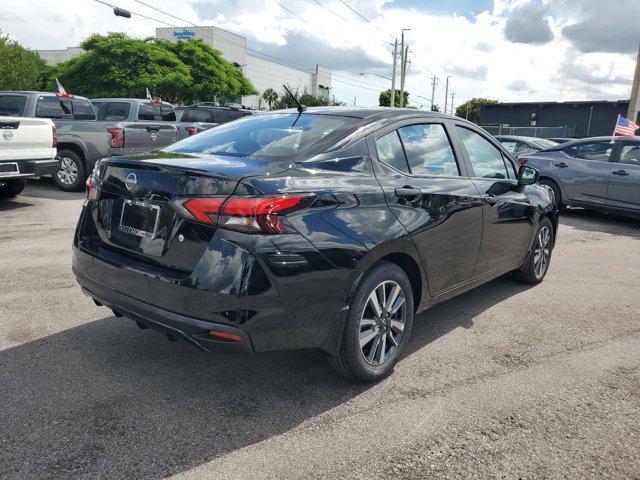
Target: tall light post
column 392, row 102
column 446, row 94
column 403, row 65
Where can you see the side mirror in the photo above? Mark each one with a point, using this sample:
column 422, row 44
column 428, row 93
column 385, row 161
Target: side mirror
column 528, row 175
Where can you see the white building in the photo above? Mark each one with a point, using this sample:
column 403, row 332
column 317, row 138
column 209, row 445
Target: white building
column 262, row 73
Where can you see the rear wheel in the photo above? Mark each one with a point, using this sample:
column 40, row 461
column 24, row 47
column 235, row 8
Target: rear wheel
column 71, row 175
column 11, row 188
column 378, row 325
column 537, row 264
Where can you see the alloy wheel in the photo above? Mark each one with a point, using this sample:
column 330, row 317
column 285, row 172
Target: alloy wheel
column 382, row 322
column 68, row 171
column 542, row 252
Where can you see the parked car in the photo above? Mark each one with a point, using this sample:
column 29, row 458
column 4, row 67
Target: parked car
column 143, row 111
column 206, row 115
column 593, row 172
column 518, row 145
column 81, row 139
column 27, row 148
column 327, row 229
column 561, row 139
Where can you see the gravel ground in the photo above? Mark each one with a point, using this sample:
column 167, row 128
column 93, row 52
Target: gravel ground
column 506, row 381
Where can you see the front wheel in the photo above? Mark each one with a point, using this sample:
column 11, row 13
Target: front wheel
column 71, row 174
column 378, row 325
column 537, row 263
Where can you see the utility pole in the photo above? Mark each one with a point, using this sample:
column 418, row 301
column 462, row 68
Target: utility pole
column 446, row 94
column 434, row 82
column 404, row 74
column 634, row 102
column 392, row 103
column 452, row 96
column 354, row 101
column 403, row 65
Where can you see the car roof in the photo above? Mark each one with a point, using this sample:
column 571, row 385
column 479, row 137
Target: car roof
column 35, row 92
column 370, row 113
column 599, row 139
column 124, row 100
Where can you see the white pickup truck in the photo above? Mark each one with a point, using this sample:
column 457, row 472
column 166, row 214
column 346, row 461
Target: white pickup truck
column 27, row 149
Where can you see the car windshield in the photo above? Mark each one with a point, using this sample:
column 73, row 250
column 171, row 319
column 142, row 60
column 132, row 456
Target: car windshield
column 271, row 135
column 12, row 105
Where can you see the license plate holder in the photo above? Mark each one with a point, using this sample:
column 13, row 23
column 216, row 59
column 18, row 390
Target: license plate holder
column 140, row 219
column 9, row 169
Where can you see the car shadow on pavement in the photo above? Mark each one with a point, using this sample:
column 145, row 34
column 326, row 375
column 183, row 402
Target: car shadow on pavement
column 593, row 221
column 107, row 400
column 45, row 188
column 7, row 204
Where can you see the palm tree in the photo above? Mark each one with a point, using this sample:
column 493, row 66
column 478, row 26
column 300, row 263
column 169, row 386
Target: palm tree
column 270, row 96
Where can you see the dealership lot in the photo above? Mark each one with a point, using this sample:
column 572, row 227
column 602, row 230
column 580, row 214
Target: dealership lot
column 507, row 380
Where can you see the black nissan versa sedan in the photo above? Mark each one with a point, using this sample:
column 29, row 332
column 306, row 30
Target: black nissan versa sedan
column 328, row 229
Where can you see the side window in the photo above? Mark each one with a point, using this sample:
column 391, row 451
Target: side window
column 116, row 110
column 597, row 151
column 485, row 158
column 512, row 172
column 53, row 107
column 97, row 107
column 390, row 151
column 218, row 116
column 428, row 150
column 630, row 154
column 168, row 114
column 82, row 110
column 571, row 150
column 149, row 111
column 199, row 115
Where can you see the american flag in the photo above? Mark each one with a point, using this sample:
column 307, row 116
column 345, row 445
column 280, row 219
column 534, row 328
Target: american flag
column 149, row 94
column 625, row 127
column 61, row 89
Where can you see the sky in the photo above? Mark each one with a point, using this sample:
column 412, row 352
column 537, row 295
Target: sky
column 508, row 50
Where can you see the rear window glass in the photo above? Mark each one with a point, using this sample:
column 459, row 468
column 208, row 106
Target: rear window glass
column 149, row 111
column 168, row 114
column 54, row 107
column 270, row 135
column 12, row 105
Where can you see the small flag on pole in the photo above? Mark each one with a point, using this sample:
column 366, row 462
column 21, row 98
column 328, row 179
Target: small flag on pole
column 149, row 94
column 625, row 127
column 61, row 90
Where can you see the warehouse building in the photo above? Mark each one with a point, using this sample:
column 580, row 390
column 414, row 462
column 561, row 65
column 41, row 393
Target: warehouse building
column 263, row 72
column 554, row 119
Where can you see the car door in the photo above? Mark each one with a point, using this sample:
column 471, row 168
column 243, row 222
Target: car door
column 429, row 191
column 584, row 171
column 624, row 177
column 508, row 214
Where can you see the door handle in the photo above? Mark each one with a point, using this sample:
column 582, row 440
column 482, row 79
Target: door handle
column 407, row 192
column 620, row 172
column 561, row 165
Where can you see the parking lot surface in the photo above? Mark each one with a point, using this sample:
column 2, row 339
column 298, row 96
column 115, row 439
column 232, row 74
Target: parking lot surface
column 506, row 381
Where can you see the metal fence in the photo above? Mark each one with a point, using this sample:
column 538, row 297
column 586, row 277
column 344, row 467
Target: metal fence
column 564, row 131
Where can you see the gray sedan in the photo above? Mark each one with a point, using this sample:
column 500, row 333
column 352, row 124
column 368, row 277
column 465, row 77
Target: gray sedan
column 518, row 145
column 592, row 173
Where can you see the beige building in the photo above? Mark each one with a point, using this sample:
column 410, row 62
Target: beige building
column 262, row 72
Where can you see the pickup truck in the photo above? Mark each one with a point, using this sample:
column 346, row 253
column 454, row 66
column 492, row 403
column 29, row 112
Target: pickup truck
column 27, row 149
column 83, row 140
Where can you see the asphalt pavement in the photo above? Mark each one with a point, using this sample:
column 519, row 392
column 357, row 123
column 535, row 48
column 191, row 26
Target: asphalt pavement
column 506, row 381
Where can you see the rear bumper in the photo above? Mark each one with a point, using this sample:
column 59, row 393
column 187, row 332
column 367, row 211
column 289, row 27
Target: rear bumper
column 187, row 329
column 31, row 168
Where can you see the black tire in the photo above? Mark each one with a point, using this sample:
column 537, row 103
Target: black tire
column 71, row 175
column 531, row 272
column 12, row 188
column 350, row 360
column 557, row 194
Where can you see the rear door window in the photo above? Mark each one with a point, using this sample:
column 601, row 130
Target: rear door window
column 199, row 115
column 52, row 106
column 149, row 111
column 596, row 151
column 390, row 151
column 630, row 154
column 428, row 150
column 82, row 110
column 12, row 105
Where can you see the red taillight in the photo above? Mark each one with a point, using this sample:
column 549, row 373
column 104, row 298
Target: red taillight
column 225, row 336
column 93, row 188
column 242, row 214
column 521, row 161
column 55, row 137
column 191, row 130
column 117, row 137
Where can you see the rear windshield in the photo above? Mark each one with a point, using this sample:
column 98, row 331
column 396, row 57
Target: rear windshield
column 51, row 106
column 271, row 135
column 112, row 110
column 156, row 111
column 12, row 105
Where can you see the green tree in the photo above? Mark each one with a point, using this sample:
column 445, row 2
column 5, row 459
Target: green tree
column 471, row 108
column 270, row 96
column 307, row 99
column 385, row 98
column 20, row 69
column 117, row 66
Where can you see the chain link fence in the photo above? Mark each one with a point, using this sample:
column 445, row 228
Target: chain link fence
column 564, row 131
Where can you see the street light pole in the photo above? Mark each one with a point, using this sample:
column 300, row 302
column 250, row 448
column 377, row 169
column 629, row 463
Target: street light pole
column 392, row 103
column 452, row 97
column 434, row 82
column 403, row 65
column 446, row 94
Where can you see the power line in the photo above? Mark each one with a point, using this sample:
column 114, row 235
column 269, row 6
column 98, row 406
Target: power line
column 134, row 13
column 163, row 12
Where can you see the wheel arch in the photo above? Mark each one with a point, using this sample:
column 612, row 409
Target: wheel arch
column 554, row 181
column 75, row 148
